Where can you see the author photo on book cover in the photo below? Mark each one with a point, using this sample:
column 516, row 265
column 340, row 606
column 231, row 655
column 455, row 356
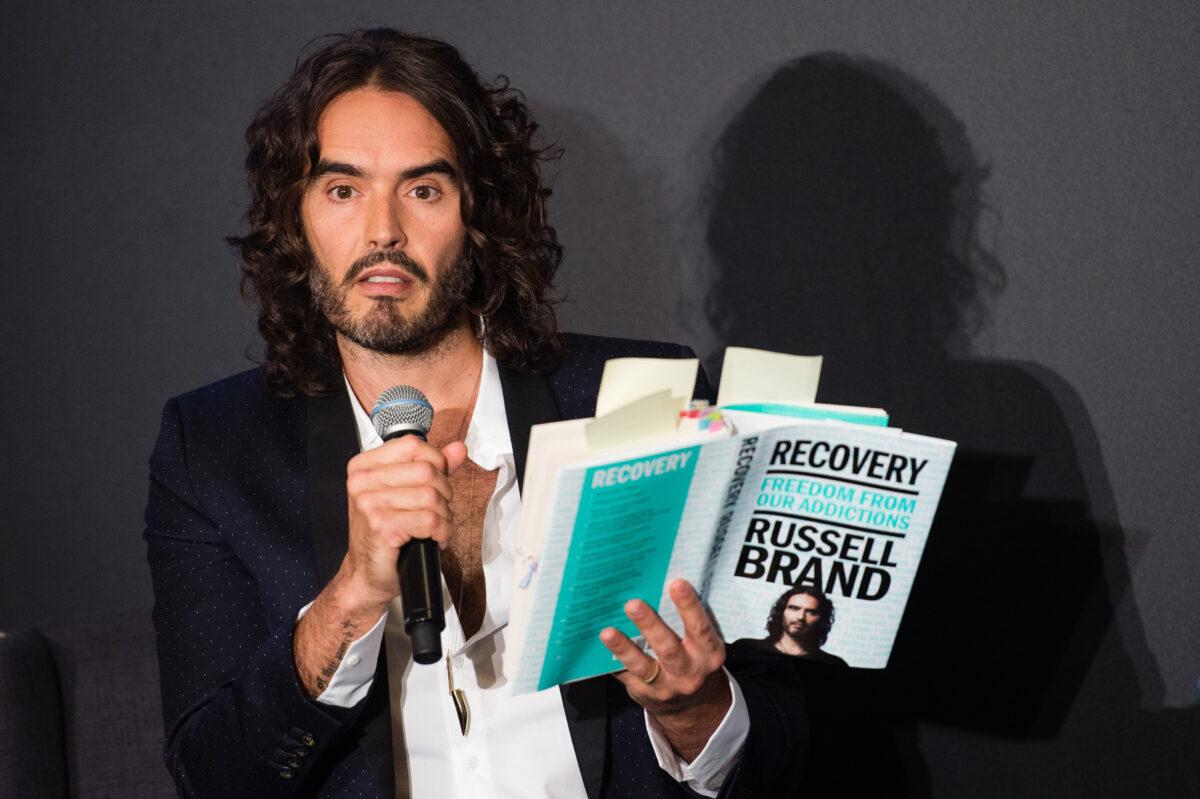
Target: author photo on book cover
column 799, row 624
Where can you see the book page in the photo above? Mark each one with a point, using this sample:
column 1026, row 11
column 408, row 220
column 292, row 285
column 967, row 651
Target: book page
column 622, row 532
column 617, row 528
column 621, row 544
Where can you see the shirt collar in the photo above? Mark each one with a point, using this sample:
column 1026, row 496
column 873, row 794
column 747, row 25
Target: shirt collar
column 488, row 441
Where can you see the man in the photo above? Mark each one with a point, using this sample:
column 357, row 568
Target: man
column 398, row 237
column 799, row 624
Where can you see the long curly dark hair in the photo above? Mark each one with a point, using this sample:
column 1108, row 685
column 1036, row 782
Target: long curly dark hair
column 513, row 251
column 824, row 607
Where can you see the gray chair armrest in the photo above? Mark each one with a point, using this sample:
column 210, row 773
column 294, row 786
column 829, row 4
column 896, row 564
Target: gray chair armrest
column 32, row 751
column 112, row 718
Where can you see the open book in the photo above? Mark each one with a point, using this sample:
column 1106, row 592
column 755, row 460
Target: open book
column 797, row 496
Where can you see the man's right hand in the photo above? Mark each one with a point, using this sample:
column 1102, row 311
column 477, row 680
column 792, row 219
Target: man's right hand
column 396, row 492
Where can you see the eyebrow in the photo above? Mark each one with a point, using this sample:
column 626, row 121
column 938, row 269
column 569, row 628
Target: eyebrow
column 439, row 166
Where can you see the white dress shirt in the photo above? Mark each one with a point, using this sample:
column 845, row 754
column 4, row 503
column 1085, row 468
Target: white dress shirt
column 517, row 746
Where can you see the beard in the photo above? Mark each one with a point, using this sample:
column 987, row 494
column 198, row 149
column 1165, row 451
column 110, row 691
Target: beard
column 384, row 328
column 802, row 633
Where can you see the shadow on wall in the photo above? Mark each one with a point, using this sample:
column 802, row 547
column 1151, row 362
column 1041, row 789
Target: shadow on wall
column 608, row 208
column 845, row 200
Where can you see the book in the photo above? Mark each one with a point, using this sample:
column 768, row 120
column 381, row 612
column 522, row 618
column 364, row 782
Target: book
column 782, row 508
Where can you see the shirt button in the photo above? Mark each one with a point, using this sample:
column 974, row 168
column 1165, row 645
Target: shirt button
column 458, row 661
column 473, row 762
column 353, row 660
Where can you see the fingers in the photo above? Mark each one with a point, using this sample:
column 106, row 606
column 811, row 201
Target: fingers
column 400, row 491
column 396, row 513
column 400, row 450
column 398, row 528
column 648, row 680
column 626, row 651
column 455, row 454
column 698, row 630
column 661, row 638
column 393, row 475
column 684, row 673
column 700, row 638
column 410, row 450
column 405, row 498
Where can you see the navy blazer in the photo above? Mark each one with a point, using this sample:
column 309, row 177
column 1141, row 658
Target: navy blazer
column 246, row 522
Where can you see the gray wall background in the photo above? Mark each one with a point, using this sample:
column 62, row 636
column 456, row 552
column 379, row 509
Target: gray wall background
column 122, row 132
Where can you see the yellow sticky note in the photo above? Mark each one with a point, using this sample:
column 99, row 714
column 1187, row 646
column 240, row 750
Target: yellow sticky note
column 647, row 417
column 750, row 375
column 627, row 380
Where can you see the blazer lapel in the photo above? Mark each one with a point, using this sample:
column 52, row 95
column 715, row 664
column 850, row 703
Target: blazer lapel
column 529, row 400
column 586, row 705
column 332, row 441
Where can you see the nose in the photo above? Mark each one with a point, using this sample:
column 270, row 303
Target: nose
column 385, row 228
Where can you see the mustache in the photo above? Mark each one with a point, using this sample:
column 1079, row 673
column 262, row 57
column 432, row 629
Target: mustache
column 394, row 257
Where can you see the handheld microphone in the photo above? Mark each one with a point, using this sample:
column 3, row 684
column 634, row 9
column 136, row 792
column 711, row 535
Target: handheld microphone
column 405, row 411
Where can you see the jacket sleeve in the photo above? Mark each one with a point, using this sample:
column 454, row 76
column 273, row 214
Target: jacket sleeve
column 775, row 755
column 237, row 721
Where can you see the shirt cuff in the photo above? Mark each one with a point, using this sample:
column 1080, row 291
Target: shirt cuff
column 707, row 772
column 352, row 680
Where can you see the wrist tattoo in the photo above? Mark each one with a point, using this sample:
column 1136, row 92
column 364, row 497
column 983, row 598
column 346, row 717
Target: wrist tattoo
column 349, row 629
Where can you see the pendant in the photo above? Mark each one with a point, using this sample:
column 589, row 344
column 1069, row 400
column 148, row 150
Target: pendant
column 459, row 698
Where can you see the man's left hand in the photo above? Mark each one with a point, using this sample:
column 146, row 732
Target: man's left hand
column 685, row 690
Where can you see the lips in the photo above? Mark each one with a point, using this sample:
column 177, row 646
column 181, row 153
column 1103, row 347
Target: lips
column 385, row 275
column 386, row 280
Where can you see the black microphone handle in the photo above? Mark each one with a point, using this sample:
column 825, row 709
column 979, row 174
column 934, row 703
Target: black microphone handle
column 420, row 568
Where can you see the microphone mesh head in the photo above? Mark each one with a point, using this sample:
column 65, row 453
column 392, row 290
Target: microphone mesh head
column 402, row 409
